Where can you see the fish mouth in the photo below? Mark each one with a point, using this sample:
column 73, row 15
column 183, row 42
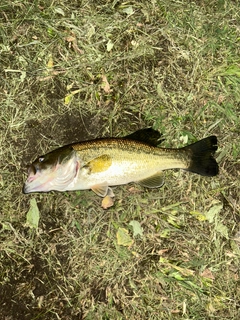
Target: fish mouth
column 31, row 184
column 28, row 188
column 57, row 177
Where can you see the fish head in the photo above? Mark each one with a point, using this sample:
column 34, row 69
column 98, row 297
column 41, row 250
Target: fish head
column 54, row 171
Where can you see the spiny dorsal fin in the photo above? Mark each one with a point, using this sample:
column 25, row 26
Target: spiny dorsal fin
column 149, row 136
column 155, row 181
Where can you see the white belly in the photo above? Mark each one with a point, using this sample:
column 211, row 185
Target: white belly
column 116, row 174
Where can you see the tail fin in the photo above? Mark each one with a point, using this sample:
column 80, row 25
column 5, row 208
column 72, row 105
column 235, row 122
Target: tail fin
column 202, row 160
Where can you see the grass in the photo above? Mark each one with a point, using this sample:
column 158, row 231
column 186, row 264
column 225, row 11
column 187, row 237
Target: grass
column 77, row 70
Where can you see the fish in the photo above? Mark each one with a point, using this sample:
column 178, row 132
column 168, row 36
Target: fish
column 102, row 163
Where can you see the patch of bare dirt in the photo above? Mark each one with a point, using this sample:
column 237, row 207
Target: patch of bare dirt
column 60, row 130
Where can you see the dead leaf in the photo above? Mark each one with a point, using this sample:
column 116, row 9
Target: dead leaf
column 162, row 251
column 72, row 40
column 207, row 273
column 134, row 190
column 123, row 238
column 107, row 202
column 105, row 84
column 176, row 311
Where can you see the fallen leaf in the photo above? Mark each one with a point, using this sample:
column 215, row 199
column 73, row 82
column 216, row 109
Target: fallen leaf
column 68, row 98
column 207, row 273
column 162, row 251
column 60, row 11
column 176, row 311
column 50, row 62
column 33, row 214
column 137, row 229
column 213, row 212
column 109, row 45
column 198, row 215
column 134, row 190
column 72, row 40
column 129, row 10
column 105, row 84
column 107, row 202
column 222, row 229
column 123, row 238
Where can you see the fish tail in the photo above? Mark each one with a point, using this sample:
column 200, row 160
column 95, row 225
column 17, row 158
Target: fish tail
column 202, row 160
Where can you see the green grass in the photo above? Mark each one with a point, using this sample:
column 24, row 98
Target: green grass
column 75, row 70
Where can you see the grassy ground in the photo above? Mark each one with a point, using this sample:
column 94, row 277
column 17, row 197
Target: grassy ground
column 73, row 70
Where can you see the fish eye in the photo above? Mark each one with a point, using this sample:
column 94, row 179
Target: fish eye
column 41, row 159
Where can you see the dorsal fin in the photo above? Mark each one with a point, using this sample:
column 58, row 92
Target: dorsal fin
column 148, row 135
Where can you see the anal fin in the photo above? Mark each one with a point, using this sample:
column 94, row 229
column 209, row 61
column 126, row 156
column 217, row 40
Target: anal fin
column 155, row 181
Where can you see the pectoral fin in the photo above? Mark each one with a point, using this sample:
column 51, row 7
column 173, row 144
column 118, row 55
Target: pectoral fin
column 155, row 181
column 99, row 164
column 103, row 190
column 100, row 190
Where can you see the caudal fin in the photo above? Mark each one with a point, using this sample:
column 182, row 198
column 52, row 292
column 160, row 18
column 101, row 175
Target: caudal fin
column 202, row 160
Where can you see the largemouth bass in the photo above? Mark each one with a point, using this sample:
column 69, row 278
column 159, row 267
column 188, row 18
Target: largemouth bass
column 101, row 163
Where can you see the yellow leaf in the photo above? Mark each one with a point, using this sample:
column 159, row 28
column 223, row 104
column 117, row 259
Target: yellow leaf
column 123, row 238
column 50, row 62
column 68, row 98
column 107, row 202
column 198, row 215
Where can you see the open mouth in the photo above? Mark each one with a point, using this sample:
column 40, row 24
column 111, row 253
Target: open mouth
column 29, row 188
column 31, row 184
